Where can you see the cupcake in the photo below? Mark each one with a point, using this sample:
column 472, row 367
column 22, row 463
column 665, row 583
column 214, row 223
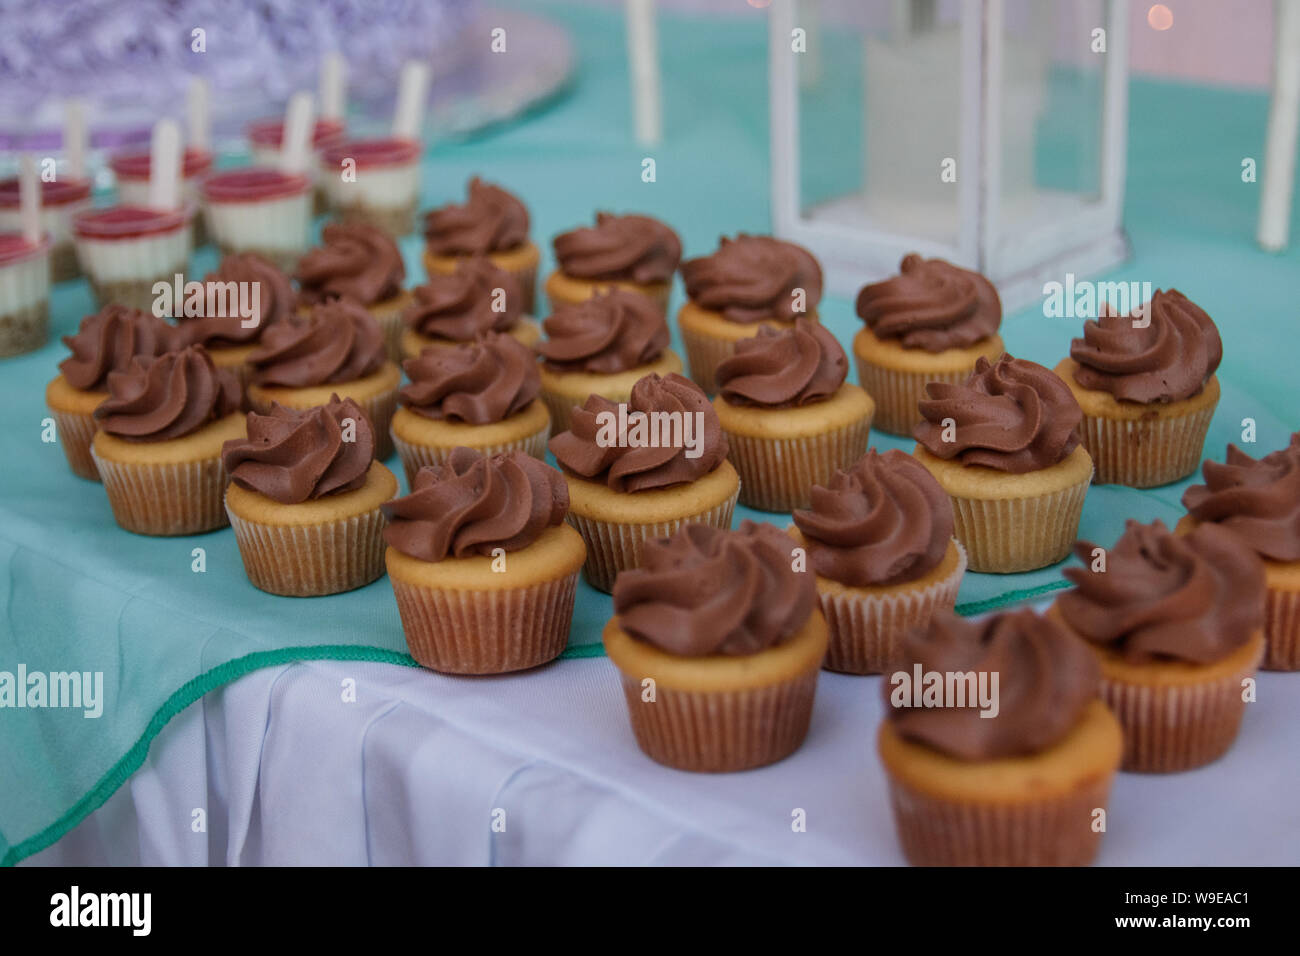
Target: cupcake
column 385, row 185
column 750, row 282
column 360, row 262
column 62, row 199
column 304, row 499
column 259, row 209
column 1177, row 624
column 1259, row 502
column 634, row 253
column 158, row 448
column 131, row 172
column 24, row 294
column 266, row 138
column 125, row 250
column 491, row 223
column 105, row 342
column 601, row 346
column 1147, row 389
column 481, row 396
column 927, row 324
column 642, row 469
column 338, row 348
column 718, row 643
column 455, row 308
column 1005, row 446
column 1011, row 768
column 231, row 338
column 482, row 564
column 790, row 419
column 878, row 539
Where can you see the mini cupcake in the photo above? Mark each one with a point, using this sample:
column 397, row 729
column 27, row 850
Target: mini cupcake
column 360, row 262
column 1147, row 389
column 456, row 308
column 790, row 419
column 1005, row 446
column 231, row 337
column 1015, row 778
column 24, row 294
column 105, row 342
column 718, row 643
column 385, row 184
column 62, row 200
column 481, row 396
column 304, row 499
column 491, row 223
column 158, row 448
column 601, row 346
column 927, row 324
column 642, row 469
column 125, row 250
column 338, row 348
column 482, row 564
column 634, row 253
column 259, row 209
column 1259, row 502
column 131, row 172
column 1177, row 624
column 879, row 539
column 750, row 282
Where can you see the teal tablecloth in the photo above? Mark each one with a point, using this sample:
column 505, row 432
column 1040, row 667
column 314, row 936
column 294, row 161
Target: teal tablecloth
column 78, row 593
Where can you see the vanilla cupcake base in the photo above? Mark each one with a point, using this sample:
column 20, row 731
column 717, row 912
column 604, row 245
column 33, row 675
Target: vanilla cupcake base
column 616, row 525
column 74, row 421
column 167, row 488
column 567, row 290
column 412, row 343
column 1014, row 522
column 521, row 263
column 709, row 338
column 375, row 393
column 424, row 441
column 1142, row 446
column 326, row 546
column 561, row 391
column 719, row 714
column 781, row 453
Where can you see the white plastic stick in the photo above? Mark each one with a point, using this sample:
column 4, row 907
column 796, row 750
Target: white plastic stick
column 643, row 63
column 165, row 165
column 29, row 200
column 74, row 137
column 197, row 114
column 1283, row 120
column 333, row 83
column 295, row 147
column 412, row 89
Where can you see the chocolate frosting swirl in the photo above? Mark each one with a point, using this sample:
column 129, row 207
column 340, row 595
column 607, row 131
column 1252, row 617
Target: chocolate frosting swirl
column 1012, row 415
column 491, row 220
column 339, row 342
column 626, row 248
column 460, row 305
column 932, row 305
column 583, row 450
column 708, row 591
column 1169, row 360
column 355, row 261
column 1046, row 679
column 1257, row 500
column 752, row 278
column 784, row 368
column 1195, row 597
column 106, row 342
column 607, row 333
column 292, row 456
column 884, row 521
column 276, row 301
column 170, row 396
column 479, row 383
column 473, row 504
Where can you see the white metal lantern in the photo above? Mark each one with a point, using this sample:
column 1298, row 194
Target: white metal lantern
column 988, row 132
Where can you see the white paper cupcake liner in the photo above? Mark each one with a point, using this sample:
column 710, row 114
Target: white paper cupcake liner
column 1282, row 630
column 165, row 499
column 310, row 560
column 897, row 392
column 1148, row 452
column 1018, row 534
column 777, row 474
column 76, row 432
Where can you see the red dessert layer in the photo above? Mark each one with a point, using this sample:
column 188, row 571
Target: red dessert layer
column 128, row 222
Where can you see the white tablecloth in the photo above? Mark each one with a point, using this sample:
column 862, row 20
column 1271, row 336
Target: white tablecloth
column 420, row 766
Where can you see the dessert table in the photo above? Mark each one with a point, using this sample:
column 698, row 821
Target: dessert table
column 239, row 727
